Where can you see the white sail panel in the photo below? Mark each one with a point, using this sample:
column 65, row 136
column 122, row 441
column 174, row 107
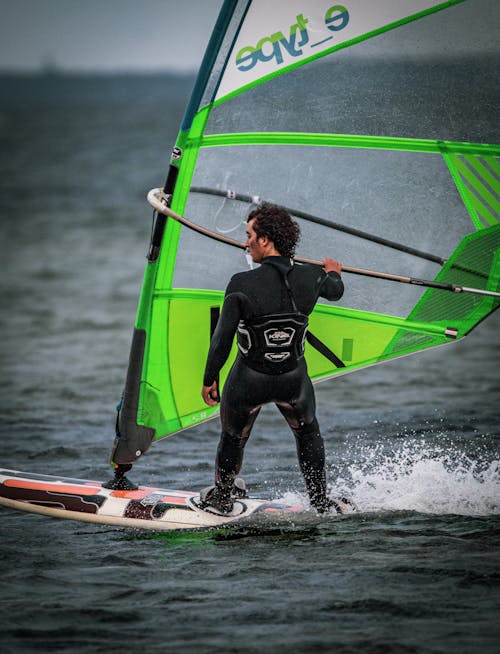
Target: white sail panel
column 275, row 36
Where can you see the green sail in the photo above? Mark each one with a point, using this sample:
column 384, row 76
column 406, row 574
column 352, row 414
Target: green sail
column 370, row 116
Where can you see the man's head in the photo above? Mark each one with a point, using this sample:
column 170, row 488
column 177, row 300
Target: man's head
column 271, row 230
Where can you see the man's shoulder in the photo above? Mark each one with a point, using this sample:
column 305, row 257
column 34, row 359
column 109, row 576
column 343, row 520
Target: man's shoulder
column 246, row 275
column 239, row 281
column 306, row 269
column 238, row 277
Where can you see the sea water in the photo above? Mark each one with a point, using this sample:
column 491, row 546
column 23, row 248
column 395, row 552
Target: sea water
column 415, row 442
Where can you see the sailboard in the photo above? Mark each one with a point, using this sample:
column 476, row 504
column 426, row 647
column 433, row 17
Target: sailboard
column 376, row 127
column 375, row 123
column 146, row 507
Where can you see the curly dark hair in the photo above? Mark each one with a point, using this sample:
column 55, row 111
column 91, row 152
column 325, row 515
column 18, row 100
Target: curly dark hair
column 278, row 225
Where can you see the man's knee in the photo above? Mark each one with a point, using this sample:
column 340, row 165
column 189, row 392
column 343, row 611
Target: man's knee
column 306, row 430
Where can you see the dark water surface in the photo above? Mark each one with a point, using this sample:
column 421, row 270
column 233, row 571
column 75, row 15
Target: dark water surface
column 415, row 442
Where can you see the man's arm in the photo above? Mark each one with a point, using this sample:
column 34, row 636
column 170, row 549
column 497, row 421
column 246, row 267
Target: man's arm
column 220, row 346
column 332, row 288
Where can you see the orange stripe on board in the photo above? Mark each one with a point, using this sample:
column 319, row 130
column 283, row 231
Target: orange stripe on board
column 138, row 494
column 55, row 488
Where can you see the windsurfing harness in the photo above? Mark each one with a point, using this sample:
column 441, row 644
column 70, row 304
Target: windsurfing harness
column 274, row 343
column 269, row 309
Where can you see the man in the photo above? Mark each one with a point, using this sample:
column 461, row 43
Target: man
column 268, row 309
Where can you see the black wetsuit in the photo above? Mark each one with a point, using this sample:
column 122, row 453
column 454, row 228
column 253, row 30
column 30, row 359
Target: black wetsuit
column 274, row 299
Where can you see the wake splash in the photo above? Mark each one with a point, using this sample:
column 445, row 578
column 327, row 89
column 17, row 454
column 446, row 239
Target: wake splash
column 423, row 478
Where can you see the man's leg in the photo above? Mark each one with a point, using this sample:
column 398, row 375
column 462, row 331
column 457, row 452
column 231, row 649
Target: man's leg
column 311, row 455
column 231, row 446
column 237, row 420
column 300, row 412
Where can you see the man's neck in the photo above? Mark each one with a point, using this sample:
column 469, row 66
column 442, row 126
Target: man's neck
column 271, row 251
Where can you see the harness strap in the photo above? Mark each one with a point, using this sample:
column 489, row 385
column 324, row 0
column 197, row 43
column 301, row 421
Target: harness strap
column 311, row 338
column 289, row 289
column 324, row 350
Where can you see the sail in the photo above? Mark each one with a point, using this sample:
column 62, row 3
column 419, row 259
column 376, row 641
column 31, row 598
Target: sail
column 375, row 124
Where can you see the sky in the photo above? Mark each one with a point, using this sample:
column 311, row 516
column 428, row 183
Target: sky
column 105, row 35
column 154, row 35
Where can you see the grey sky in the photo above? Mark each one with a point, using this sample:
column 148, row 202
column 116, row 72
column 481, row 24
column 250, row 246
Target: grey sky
column 105, row 34
column 128, row 35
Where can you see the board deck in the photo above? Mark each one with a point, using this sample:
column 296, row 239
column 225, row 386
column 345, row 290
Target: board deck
column 144, row 508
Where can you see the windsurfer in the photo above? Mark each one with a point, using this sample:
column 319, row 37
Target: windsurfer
column 268, row 308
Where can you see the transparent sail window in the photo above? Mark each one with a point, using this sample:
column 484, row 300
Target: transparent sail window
column 406, row 197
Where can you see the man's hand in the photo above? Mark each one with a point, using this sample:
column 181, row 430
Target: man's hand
column 330, row 265
column 210, row 394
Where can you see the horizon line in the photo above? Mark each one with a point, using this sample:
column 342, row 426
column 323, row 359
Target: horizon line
column 58, row 71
